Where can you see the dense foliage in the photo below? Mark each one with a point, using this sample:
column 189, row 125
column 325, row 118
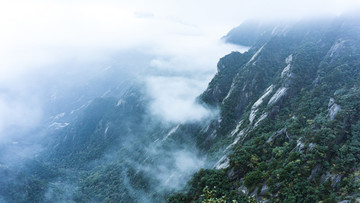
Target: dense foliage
column 302, row 151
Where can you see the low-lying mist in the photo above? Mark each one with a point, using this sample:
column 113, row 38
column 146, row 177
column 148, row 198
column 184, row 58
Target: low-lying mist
column 59, row 95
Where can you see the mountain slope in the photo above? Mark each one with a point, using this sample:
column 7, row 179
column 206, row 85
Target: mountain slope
column 290, row 116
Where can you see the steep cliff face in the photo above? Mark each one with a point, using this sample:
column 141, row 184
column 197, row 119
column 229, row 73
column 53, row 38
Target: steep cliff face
column 286, row 134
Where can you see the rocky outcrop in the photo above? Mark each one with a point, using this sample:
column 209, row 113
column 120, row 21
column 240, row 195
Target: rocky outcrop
column 221, row 84
column 277, row 134
column 316, row 170
column 254, row 108
column 335, row 179
column 333, row 108
column 277, row 96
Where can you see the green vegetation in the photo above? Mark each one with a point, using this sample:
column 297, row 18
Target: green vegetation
column 297, row 154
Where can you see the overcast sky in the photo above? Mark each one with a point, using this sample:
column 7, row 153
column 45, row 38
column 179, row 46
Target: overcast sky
column 34, row 33
column 37, row 35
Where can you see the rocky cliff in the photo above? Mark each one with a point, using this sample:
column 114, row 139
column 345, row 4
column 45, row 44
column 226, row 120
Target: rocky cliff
column 289, row 123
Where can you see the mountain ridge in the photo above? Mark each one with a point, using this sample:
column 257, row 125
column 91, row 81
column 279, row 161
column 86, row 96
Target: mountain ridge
column 285, row 72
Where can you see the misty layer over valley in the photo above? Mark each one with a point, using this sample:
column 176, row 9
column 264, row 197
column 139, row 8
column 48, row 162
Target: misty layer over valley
column 117, row 129
column 268, row 111
column 107, row 132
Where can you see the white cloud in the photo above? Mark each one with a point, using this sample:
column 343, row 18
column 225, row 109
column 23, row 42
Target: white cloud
column 36, row 36
column 174, row 98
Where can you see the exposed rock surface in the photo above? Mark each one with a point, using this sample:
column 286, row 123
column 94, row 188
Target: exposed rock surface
column 333, row 108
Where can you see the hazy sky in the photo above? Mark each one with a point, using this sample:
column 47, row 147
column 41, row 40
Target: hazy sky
column 37, row 35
